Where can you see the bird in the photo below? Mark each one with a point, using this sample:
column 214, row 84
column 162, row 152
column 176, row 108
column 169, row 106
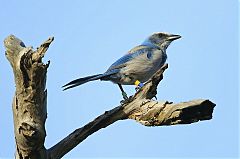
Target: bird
column 135, row 67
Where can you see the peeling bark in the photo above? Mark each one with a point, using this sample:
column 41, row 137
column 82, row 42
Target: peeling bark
column 30, row 105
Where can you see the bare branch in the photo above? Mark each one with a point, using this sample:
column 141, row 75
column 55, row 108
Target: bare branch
column 29, row 102
column 29, row 105
column 156, row 113
column 144, row 110
column 40, row 52
column 76, row 137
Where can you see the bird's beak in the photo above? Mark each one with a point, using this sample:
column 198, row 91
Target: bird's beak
column 173, row 37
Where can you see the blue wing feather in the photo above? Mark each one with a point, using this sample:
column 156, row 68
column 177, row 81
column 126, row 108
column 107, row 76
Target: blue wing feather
column 131, row 54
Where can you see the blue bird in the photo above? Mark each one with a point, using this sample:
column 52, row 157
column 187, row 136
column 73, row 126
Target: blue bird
column 135, row 67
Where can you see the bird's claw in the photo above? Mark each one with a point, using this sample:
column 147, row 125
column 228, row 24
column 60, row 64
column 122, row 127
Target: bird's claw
column 126, row 100
column 155, row 97
column 123, row 102
column 139, row 86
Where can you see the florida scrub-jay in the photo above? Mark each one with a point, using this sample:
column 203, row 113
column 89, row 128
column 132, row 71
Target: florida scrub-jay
column 135, row 67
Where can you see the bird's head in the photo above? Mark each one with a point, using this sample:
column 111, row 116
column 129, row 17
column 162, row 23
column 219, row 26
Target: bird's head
column 161, row 39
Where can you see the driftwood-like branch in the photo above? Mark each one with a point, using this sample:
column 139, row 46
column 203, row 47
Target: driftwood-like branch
column 144, row 110
column 29, row 105
column 29, row 102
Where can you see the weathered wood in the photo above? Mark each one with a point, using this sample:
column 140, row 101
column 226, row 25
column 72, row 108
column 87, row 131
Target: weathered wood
column 30, row 113
column 29, row 102
column 144, row 110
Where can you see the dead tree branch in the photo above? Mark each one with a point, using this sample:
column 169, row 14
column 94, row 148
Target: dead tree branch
column 144, row 110
column 29, row 105
column 29, row 102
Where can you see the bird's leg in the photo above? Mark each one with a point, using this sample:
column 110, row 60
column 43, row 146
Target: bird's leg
column 155, row 97
column 138, row 85
column 124, row 94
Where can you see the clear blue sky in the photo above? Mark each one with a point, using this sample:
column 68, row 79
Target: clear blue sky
column 90, row 35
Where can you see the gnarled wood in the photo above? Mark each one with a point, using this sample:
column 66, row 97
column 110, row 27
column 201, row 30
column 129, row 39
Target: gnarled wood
column 29, row 105
column 29, row 102
column 144, row 110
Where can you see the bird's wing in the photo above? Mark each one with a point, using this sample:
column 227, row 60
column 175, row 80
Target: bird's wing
column 136, row 51
column 133, row 50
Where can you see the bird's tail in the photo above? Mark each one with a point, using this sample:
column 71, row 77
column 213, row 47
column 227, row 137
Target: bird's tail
column 83, row 80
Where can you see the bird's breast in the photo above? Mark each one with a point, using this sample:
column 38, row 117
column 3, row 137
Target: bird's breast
column 143, row 66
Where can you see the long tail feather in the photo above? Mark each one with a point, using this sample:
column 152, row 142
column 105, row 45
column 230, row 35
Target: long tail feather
column 80, row 81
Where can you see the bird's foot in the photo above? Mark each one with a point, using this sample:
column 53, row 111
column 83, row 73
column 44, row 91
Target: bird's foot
column 139, row 85
column 124, row 94
column 137, row 88
column 123, row 102
column 126, row 99
column 155, row 97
